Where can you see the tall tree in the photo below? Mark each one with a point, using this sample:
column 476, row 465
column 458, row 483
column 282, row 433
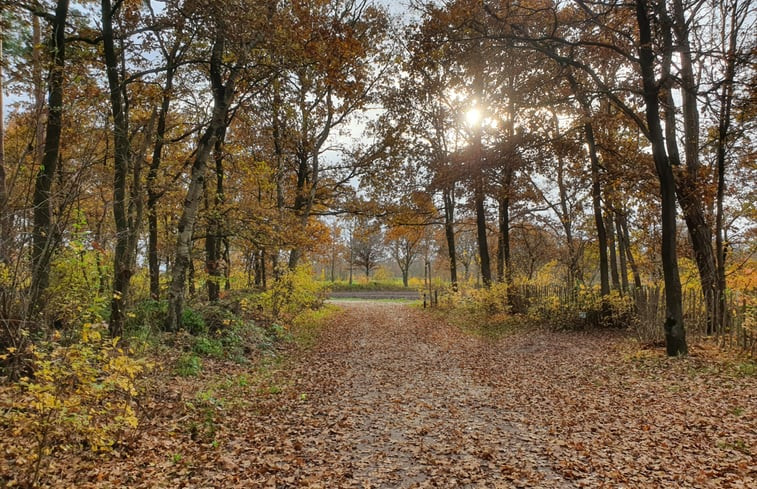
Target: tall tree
column 675, row 334
column 44, row 234
column 223, row 91
column 4, row 215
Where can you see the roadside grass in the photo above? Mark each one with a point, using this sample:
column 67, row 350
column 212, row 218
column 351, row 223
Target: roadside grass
column 366, row 286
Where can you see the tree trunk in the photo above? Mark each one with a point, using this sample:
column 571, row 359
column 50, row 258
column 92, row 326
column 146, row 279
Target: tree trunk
column 596, row 193
column 613, row 256
column 125, row 220
column 44, row 236
column 621, row 253
column 263, row 275
column 629, row 255
column 675, row 333
column 688, row 183
column 222, row 96
column 153, row 261
column 213, row 237
column 724, row 123
column 449, row 233
column 501, row 225
column 481, row 234
column 4, row 212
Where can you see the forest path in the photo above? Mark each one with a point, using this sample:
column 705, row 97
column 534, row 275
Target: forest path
column 392, row 400
column 391, row 396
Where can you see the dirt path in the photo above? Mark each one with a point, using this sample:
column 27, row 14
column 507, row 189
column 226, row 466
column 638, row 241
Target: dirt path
column 391, row 403
column 390, row 397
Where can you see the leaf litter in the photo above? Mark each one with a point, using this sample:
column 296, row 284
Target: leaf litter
column 392, row 397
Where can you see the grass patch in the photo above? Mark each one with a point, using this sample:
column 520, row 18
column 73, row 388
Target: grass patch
column 189, row 365
column 307, row 325
column 370, row 286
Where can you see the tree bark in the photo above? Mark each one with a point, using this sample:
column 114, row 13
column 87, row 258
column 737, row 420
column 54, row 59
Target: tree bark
column 724, row 124
column 612, row 255
column 621, row 253
column 126, row 227
column 481, row 234
column 4, row 212
column 222, row 97
column 153, row 194
column 625, row 235
column 688, row 183
column 596, row 201
column 675, row 333
column 44, row 236
column 214, row 237
column 449, row 233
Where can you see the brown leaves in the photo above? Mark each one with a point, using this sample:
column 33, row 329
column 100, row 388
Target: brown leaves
column 389, row 397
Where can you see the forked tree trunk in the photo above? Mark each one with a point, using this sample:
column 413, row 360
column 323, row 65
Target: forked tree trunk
column 621, row 253
column 153, row 194
column 123, row 207
column 222, row 97
column 675, row 333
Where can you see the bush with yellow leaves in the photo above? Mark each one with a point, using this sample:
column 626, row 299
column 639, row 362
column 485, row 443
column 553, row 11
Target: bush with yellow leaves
column 80, row 395
column 294, row 292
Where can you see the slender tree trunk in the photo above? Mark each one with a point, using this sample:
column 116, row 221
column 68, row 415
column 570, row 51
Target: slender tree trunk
column 626, row 236
column 226, row 263
column 675, row 333
column 123, row 206
column 213, row 239
column 44, row 236
column 153, row 194
column 501, row 225
column 222, row 96
column 567, row 224
column 724, row 124
column 596, row 193
column 505, row 231
column 278, row 149
column 613, row 256
column 449, row 233
column 39, row 89
column 481, row 234
column 4, row 212
column 621, row 253
column 263, row 274
column 688, row 183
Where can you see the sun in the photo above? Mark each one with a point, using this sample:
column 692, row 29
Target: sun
column 473, row 116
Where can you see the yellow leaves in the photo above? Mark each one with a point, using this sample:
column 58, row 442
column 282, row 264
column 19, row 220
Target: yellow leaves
column 90, row 334
column 80, row 392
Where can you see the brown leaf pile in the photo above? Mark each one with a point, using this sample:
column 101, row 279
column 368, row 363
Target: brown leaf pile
column 390, row 397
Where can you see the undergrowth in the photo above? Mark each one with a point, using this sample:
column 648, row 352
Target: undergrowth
column 76, row 389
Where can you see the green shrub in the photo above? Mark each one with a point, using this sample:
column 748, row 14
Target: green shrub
column 146, row 316
column 208, row 347
column 193, row 322
column 189, row 365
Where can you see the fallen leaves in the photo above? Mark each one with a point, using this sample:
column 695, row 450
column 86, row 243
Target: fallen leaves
column 390, row 397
